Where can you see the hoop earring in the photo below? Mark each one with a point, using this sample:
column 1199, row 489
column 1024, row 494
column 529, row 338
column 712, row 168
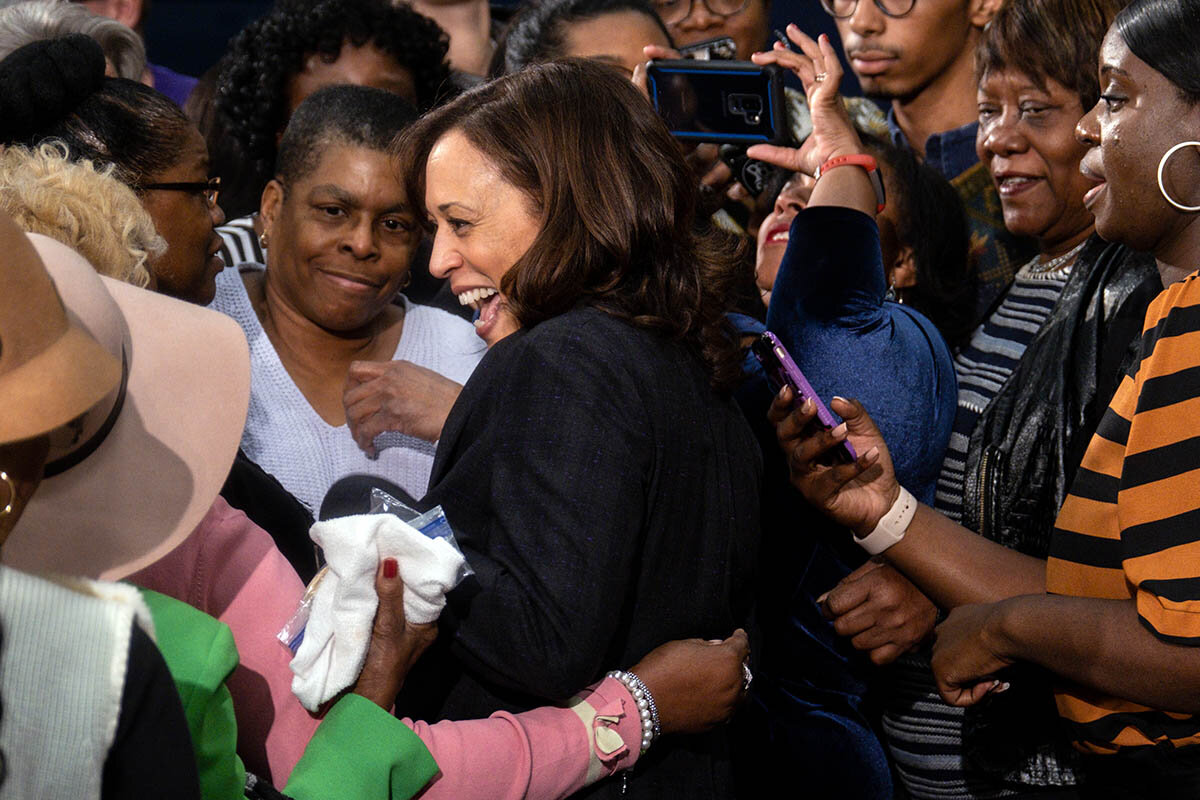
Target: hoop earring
column 1162, row 164
column 12, row 493
column 262, row 241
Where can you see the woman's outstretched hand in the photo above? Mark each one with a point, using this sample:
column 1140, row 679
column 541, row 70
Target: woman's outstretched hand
column 820, row 72
column 396, row 644
column 856, row 495
column 696, row 684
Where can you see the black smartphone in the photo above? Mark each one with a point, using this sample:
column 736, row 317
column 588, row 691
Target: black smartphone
column 723, row 48
column 782, row 370
column 754, row 176
column 725, row 102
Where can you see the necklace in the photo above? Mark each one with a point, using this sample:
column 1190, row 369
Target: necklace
column 1051, row 268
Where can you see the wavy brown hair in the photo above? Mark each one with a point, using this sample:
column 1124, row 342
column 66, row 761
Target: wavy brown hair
column 618, row 204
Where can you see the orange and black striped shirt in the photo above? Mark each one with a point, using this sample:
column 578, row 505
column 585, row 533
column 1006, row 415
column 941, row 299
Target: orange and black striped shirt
column 1130, row 528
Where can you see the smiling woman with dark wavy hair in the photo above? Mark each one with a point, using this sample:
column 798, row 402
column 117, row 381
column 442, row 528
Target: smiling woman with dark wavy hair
column 599, row 478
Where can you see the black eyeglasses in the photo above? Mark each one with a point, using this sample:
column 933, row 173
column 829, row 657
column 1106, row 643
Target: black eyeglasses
column 211, row 189
column 674, row 11
column 844, row 9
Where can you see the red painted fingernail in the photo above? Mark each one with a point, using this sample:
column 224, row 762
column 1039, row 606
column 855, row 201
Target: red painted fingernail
column 390, row 568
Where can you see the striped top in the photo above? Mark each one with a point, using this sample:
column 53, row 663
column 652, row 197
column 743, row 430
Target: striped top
column 923, row 732
column 985, row 363
column 1130, row 528
column 239, row 242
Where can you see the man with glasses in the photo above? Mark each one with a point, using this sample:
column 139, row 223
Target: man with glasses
column 920, row 55
column 691, row 21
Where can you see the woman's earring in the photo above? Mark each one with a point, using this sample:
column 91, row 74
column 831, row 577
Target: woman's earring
column 891, row 293
column 12, row 493
column 262, row 240
column 1162, row 165
column 407, row 280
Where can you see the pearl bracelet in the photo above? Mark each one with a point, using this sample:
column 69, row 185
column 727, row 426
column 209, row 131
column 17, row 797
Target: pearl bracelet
column 645, row 705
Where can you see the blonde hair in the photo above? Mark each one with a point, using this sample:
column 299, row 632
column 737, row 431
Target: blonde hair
column 82, row 206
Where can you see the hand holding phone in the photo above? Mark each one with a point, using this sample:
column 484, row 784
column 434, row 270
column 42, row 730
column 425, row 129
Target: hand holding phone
column 782, row 371
column 818, row 68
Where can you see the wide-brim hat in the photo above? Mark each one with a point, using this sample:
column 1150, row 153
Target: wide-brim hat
column 155, row 455
column 51, row 372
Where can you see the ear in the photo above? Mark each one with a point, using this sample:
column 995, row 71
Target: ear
column 268, row 207
column 902, row 273
column 980, row 12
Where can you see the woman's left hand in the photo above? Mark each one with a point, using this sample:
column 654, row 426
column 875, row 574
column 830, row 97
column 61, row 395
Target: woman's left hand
column 396, row 644
column 820, row 72
column 967, row 653
column 396, row 396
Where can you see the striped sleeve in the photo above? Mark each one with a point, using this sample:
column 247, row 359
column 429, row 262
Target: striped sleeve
column 1159, row 503
column 239, row 242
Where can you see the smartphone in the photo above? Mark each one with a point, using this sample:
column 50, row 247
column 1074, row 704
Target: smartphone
column 781, row 370
column 725, row 102
column 723, row 48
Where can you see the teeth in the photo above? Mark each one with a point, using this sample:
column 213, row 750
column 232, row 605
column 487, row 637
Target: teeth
column 782, row 236
column 473, row 297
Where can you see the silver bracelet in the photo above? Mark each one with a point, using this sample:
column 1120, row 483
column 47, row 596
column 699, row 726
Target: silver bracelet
column 645, row 705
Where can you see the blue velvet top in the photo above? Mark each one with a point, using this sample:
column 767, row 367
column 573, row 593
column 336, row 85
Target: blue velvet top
column 807, row 703
column 829, row 311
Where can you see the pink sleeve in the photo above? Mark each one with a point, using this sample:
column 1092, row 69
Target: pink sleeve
column 548, row 752
column 231, row 569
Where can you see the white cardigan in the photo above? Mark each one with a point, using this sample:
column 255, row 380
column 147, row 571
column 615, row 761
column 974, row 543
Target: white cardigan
column 288, row 439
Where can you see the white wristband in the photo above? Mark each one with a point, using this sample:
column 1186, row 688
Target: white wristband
column 892, row 525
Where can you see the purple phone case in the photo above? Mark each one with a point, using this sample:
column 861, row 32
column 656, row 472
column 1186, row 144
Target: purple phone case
column 784, row 370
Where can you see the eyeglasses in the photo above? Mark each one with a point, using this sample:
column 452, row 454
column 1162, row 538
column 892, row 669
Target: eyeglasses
column 211, row 189
column 675, row 11
column 844, row 9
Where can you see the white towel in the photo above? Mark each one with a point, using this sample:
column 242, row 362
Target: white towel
column 343, row 607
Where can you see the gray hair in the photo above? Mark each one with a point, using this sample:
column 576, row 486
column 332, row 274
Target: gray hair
column 25, row 22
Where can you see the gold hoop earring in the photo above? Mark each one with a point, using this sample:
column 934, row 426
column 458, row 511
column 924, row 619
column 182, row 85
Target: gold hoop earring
column 1162, row 165
column 12, row 493
column 262, row 241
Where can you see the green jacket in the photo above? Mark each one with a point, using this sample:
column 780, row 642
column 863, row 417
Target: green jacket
column 359, row 752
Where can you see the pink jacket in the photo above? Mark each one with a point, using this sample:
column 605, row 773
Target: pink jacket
column 230, row 568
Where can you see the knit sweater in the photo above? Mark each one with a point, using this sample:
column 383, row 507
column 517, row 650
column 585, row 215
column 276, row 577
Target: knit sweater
column 285, row 435
column 64, row 661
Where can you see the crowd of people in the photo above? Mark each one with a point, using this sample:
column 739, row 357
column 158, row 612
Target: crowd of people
column 445, row 256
